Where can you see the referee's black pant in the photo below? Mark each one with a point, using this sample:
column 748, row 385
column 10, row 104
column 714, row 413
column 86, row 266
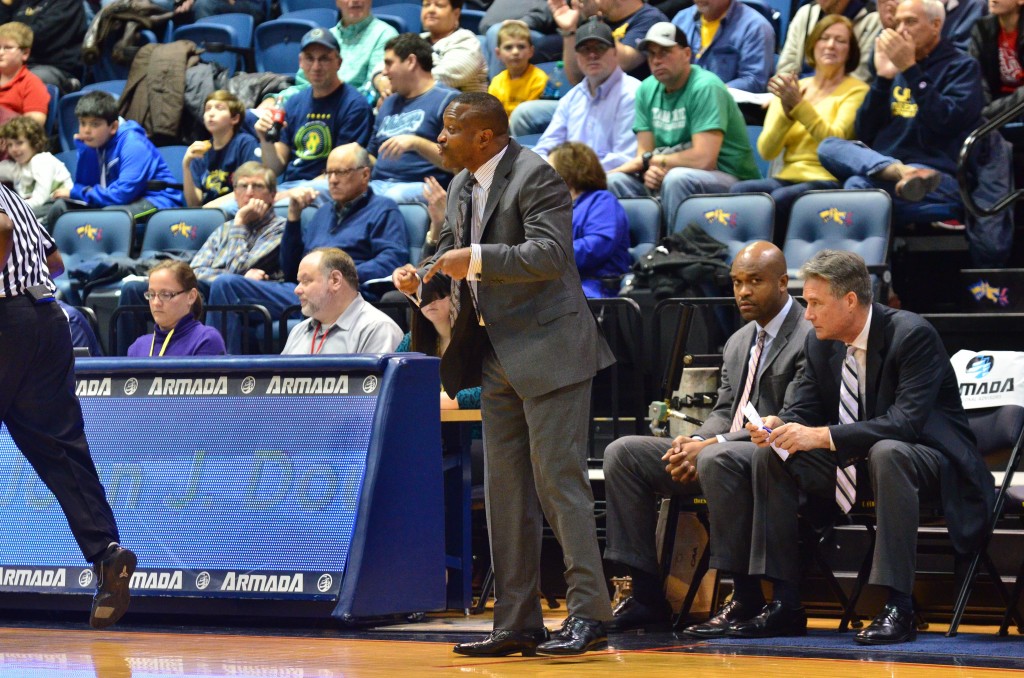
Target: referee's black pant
column 44, row 418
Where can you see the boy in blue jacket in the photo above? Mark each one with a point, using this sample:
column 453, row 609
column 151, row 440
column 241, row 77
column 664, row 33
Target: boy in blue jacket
column 117, row 165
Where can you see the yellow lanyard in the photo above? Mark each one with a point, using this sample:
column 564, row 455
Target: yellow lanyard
column 163, row 348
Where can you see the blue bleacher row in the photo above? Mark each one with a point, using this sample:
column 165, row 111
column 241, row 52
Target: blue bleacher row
column 858, row 221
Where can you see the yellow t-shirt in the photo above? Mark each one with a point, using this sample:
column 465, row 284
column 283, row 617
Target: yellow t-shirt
column 512, row 92
column 708, row 31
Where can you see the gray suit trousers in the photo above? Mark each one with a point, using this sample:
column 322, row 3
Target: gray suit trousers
column 535, row 467
column 634, row 478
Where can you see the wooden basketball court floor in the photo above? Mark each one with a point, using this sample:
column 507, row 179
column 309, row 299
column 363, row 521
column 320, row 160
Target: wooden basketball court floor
column 72, row 650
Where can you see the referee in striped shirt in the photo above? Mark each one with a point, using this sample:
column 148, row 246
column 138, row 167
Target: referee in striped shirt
column 39, row 406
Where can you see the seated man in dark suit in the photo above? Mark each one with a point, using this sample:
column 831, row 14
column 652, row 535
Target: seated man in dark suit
column 761, row 362
column 877, row 388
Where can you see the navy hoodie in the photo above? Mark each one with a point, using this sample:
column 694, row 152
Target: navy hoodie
column 923, row 115
column 132, row 161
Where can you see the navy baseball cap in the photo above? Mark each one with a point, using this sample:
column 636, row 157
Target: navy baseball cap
column 320, row 36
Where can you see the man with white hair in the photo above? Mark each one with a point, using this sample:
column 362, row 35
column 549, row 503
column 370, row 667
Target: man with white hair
column 924, row 101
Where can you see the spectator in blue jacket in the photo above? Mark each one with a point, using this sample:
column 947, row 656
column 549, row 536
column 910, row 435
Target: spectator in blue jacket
column 118, row 166
column 741, row 50
column 600, row 230
column 925, row 99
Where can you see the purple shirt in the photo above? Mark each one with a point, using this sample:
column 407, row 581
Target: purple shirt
column 190, row 338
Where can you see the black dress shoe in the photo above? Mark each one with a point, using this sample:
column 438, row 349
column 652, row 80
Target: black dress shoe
column 774, row 621
column 890, row 626
column 113, row 575
column 503, row 642
column 732, row 612
column 578, row 635
column 632, row 614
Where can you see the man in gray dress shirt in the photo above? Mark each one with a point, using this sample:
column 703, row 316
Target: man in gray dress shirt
column 338, row 319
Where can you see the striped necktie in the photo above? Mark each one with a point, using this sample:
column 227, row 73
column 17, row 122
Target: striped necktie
column 755, row 359
column 849, row 412
column 462, row 210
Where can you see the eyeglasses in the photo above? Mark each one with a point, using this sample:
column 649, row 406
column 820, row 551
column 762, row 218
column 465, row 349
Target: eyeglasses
column 241, row 188
column 342, row 173
column 150, row 295
column 595, row 48
column 9, row 48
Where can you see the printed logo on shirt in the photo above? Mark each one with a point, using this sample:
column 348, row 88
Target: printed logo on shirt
column 89, row 232
column 721, row 216
column 184, row 230
column 834, row 215
column 313, row 141
column 217, row 182
column 903, row 105
column 982, row 290
column 401, row 123
column 668, row 121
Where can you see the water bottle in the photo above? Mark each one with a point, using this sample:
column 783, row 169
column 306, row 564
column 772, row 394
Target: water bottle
column 277, row 115
column 553, row 90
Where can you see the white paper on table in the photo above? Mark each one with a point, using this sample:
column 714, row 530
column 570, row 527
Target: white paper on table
column 750, row 412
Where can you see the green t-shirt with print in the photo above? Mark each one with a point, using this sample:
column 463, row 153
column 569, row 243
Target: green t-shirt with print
column 701, row 105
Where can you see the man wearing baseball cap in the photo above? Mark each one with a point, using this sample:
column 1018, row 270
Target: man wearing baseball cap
column 599, row 110
column 691, row 137
column 328, row 114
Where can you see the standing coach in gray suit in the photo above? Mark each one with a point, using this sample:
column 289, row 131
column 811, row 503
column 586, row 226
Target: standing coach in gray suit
column 761, row 363
column 877, row 388
column 524, row 332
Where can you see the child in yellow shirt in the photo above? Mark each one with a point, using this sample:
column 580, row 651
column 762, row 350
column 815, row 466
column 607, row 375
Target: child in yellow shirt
column 520, row 81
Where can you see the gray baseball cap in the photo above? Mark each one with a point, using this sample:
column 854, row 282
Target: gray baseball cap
column 595, row 29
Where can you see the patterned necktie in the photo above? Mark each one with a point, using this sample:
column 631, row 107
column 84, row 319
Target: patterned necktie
column 755, row 359
column 849, row 409
column 462, row 210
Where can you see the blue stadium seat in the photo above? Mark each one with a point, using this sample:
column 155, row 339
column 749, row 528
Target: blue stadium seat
column 182, row 230
column 753, row 133
column 855, row 220
column 773, row 16
column 114, row 87
column 325, row 17
column 288, row 6
column 644, row 215
column 81, row 235
column 277, row 45
column 173, row 156
column 417, row 223
column 549, row 68
column 470, row 19
column 396, row 22
column 407, row 11
column 67, row 123
column 70, row 160
column 52, row 112
column 735, row 219
column 210, row 38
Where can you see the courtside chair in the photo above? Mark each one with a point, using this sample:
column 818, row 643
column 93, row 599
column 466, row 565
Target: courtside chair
column 179, row 231
column 82, row 235
column 735, row 219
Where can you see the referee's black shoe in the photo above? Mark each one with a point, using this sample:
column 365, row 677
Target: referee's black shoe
column 113, row 575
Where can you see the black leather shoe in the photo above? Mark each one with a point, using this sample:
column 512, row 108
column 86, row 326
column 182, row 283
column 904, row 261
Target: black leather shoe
column 502, row 643
column 113, row 575
column 578, row 635
column 890, row 626
column 632, row 614
column 732, row 612
column 774, row 621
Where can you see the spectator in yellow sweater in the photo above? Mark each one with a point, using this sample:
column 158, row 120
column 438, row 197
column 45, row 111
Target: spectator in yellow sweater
column 806, row 111
column 520, row 81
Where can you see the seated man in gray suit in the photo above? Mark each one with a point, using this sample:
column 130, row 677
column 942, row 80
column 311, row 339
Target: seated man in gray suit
column 760, row 364
column 877, row 388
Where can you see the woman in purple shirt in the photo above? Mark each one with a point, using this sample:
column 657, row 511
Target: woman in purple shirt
column 176, row 305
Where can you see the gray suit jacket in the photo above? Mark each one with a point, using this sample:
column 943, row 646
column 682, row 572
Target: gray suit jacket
column 781, row 367
column 530, row 294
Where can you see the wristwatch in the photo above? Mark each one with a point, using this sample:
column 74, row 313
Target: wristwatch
column 646, row 157
column 565, row 33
